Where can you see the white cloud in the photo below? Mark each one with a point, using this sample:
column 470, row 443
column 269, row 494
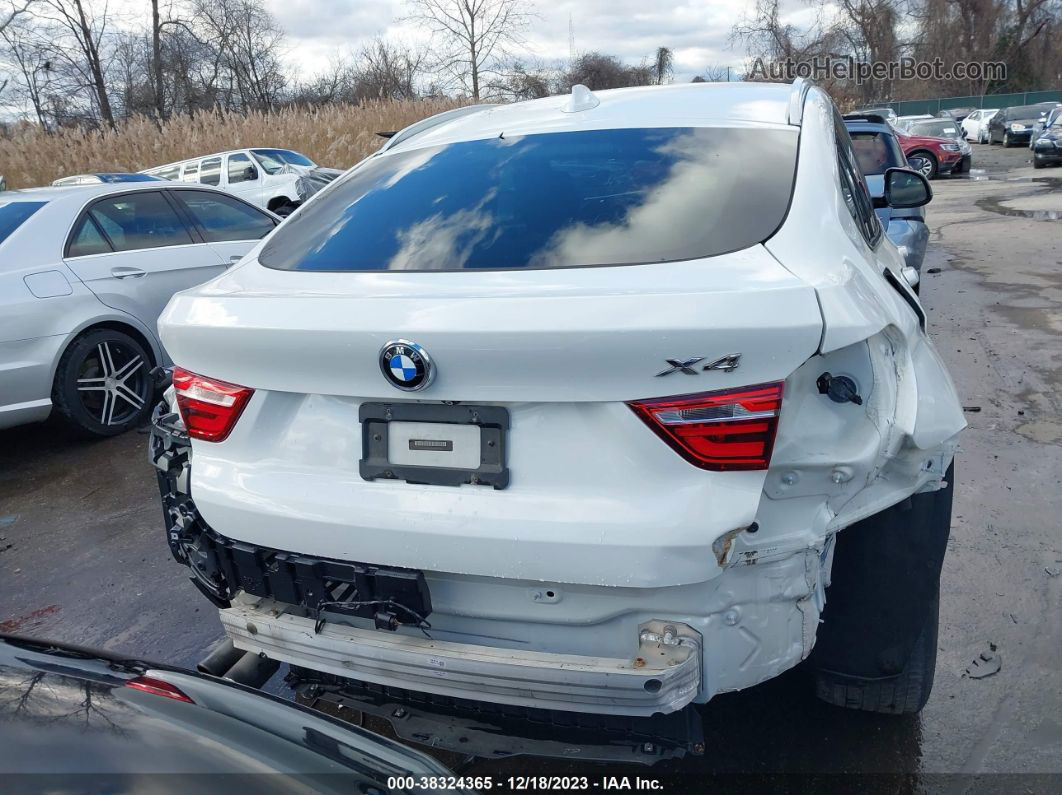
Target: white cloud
column 697, row 31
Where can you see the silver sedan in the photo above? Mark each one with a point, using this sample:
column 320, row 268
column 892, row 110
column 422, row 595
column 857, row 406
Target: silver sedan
column 84, row 273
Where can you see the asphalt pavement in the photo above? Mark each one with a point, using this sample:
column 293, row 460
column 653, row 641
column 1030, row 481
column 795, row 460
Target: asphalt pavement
column 83, row 558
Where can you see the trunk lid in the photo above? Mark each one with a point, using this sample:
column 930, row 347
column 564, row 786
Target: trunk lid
column 581, row 334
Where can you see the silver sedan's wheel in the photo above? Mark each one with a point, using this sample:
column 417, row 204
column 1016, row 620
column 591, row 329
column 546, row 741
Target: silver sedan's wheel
column 103, row 384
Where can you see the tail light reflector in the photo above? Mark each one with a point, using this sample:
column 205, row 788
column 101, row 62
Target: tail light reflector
column 157, row 687
column 732, row 429
column 208, row 407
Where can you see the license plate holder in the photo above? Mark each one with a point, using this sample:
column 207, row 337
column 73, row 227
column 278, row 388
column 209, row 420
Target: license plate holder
column 493, row 424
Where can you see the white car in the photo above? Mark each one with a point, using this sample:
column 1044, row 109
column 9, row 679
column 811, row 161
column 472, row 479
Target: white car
column 84, row 273
column 975, row 126
column 903, row 122
column 265, row 176
column 559, row 405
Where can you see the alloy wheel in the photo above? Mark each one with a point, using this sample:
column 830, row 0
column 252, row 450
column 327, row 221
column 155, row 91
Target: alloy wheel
column 923, row 165
column 113, row 383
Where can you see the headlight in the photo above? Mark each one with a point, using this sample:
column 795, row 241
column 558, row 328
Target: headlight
column 950, row 147
column 1017, row 127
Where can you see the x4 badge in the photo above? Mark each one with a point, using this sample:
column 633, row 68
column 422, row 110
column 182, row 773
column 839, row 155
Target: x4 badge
column 725, row 363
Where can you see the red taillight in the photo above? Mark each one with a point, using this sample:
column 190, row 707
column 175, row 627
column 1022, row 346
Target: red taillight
column 157, row 687
column 208, row 407
column 727, row 430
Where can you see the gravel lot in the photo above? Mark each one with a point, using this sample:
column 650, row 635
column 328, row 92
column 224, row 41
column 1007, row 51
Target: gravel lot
column 83, row 558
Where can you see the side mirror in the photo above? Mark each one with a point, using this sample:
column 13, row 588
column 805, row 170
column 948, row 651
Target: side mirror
column 906, row 189
column 250, row 173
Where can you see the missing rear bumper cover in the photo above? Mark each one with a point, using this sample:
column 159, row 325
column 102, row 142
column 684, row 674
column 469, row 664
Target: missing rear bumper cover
column 222, row 567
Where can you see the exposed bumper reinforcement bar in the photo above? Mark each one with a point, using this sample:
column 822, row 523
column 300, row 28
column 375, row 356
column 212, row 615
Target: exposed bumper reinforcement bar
column 492, row 731
column 661, row 679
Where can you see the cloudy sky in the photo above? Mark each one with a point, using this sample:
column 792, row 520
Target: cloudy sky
column 697, row 31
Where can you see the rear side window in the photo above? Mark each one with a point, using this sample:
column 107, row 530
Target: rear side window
column 876, row 151
column 14, row 214
column 223, row 218
column 171, row 172
column 139, row 220
column 554, row 200
column 87, row 240
column 210, row 171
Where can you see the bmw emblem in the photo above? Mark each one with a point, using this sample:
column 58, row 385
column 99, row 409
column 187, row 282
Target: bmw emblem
column 406, row 365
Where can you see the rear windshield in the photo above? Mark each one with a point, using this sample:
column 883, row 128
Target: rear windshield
column 13, row 214
column 876, row 152
column 1026, row 112
column 555, row 200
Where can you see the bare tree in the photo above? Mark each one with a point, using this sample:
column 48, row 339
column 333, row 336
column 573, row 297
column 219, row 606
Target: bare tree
column 32, row 60
column 388, row 70
column 663, row 65
column 10, row 11
column 86, row 31
column 245, row 42
column 713, row 74
column 598, row 71
column 473, row 34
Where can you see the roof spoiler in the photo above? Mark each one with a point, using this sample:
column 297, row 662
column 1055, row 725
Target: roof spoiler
column 872, row 118
column 426, row 124
column 797, row 94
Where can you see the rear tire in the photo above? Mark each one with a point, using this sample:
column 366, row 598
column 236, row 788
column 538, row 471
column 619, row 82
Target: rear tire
column 103, row 385
column 876, row 648
column 905, row 694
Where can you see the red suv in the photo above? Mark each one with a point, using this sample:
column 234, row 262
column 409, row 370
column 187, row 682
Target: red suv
column 931, row 156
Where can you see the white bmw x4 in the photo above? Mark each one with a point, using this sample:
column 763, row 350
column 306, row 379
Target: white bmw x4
column 600, row 403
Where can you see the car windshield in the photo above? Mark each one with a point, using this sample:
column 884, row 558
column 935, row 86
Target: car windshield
column 876, row 152
column 936, row 129
column 14, row 214
column 273, row 160
column 596, row 197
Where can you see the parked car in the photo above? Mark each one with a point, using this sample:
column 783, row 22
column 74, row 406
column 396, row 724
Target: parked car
column 1053, row 112
column 902, row 122
column 975, row 126
column 956, row 115
column 83, row 276
column 943, row 128
column 1014, row 126
column 886, row 113
column 76, row 718
column 562, row 406
column 877, row 150
column 930, row 156
column 1048, row 148
column 100, row 179
column 266, row 177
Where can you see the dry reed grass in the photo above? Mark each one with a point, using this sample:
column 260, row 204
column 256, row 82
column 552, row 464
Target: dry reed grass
column 337, row 136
